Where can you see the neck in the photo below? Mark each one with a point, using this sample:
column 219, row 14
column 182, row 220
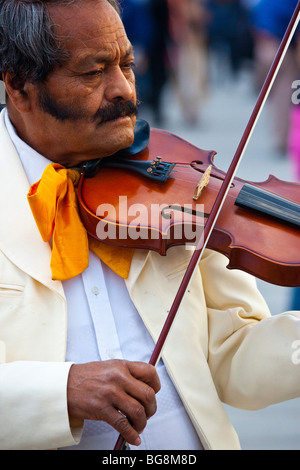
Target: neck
column 43, row 141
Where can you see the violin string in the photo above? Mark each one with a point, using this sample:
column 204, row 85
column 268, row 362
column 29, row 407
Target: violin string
column 187, row 180
column 179, row 178
column 181, row 166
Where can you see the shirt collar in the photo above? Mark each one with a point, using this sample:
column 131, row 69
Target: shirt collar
column 33, row 162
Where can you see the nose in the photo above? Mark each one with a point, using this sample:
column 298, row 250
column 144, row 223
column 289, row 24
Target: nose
column 119, row 86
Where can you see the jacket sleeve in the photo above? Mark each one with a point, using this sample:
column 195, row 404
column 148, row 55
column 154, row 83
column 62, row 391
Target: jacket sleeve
column 35, row 393
column 252, row 354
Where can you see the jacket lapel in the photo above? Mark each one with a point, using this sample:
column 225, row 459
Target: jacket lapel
column 32, row 255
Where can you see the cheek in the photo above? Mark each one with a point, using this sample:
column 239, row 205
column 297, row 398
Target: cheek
column 76, row 94
column 133, row 85
column 88, row 99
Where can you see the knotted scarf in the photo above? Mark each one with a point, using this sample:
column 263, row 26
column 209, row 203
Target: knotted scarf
column 54, row 205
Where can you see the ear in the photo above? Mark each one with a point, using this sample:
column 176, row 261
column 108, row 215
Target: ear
column 16, row 90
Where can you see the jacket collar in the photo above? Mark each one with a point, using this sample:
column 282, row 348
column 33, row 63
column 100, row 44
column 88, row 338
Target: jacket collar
column 20, row 239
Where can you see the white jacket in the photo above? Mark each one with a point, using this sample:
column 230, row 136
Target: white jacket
column 224, row 345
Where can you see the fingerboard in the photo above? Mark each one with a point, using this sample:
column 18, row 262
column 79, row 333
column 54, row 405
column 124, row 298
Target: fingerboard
column 259, row 200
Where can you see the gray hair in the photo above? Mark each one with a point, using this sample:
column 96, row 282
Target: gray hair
column 29, row 47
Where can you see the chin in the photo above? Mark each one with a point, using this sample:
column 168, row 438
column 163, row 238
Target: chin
column 121, row 132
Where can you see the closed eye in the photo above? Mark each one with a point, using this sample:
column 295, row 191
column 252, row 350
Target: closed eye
column 94, row 73
column 129, row 66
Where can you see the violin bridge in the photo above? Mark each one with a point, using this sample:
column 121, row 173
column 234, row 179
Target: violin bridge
column 202, row 183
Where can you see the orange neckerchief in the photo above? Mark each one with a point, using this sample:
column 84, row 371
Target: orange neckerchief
column 53, row 202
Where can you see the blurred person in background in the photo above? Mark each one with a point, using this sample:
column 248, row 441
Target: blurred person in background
column 294, row 149
column 189, row 55
column 229, row 32
column 147, row 26
column 158, row 56
column 139, row 26
column 270, row 20
column 294, row 124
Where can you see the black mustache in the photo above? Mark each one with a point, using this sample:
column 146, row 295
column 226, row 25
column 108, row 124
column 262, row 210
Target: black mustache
column 115, row 111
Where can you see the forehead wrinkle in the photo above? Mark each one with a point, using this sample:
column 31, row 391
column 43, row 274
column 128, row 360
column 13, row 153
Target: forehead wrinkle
column 78, row 30
column 105, row 33
column 106, row 43
column 107, row 50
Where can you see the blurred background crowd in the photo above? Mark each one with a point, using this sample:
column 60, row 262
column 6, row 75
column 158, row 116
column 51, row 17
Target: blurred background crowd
column 191, row 46
column 175, row 39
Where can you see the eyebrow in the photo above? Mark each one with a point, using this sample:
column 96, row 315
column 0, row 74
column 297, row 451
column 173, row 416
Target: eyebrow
column 103, row 57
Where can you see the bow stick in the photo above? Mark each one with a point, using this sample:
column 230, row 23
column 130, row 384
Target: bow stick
column 220, row 199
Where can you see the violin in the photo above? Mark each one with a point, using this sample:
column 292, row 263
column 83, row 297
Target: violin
column 256, row 225
column 258, row 228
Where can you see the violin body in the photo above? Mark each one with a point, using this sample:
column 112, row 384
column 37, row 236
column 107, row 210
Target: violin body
column 258, row 229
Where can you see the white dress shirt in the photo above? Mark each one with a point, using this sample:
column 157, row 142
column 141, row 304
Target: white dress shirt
column 104, row 324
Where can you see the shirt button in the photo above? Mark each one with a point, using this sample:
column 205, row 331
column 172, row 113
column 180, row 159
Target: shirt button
column 112, row 353
column 95, row 290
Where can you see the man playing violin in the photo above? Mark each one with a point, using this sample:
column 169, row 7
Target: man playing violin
column 74, row 352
